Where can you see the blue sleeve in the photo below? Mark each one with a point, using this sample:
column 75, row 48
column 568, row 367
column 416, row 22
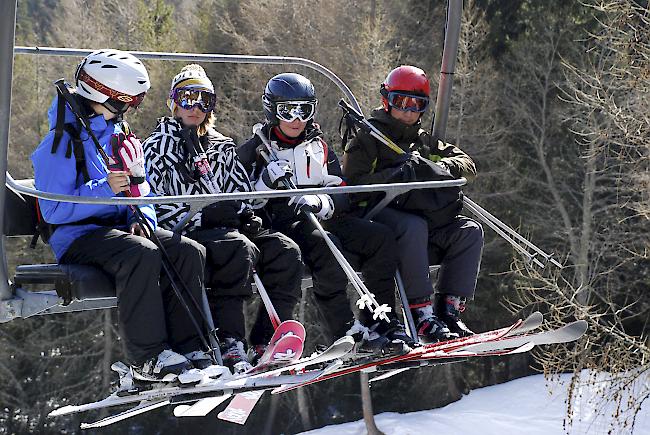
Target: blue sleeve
column 55, row 173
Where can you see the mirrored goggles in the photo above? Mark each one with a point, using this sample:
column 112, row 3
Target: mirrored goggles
column 292, row 110
column 118, row 99
column 120, row 107
column 188, row 98
column 408, row 102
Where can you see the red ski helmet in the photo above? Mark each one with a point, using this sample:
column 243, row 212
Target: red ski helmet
column 405, row 79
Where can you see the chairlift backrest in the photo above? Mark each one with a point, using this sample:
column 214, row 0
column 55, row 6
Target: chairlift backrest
column 20, row 216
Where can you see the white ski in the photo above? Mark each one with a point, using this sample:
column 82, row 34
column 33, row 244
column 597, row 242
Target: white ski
column 201, row 408
column 141, row 408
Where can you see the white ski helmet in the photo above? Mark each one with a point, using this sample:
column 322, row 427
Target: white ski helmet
column 115, row 75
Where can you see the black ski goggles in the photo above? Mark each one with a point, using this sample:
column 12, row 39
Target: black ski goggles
column 188, row 98
column 291, row 110
column 407, row 102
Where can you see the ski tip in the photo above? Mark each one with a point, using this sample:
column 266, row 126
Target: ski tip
column 580, row 326
column 346, row 339
column 180, row 410
column 68, row 409
column 523, row 348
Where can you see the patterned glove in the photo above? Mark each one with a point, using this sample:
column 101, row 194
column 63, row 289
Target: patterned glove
column 129, row 156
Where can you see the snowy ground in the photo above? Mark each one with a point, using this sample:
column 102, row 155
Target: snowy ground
column 528, row 406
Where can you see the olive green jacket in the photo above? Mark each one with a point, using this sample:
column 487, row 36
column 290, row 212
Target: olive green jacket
column 368, row 161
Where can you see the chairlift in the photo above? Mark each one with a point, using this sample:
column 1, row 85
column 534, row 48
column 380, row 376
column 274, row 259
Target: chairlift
column 81, row 288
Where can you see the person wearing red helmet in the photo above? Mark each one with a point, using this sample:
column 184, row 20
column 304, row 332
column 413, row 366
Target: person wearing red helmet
column 427, row 223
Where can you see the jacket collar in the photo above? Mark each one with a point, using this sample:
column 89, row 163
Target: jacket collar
column 397, row 130
column 312, row 130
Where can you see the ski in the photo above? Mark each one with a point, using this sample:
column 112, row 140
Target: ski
column 283, row 352
column 440, row 350
column 565, row 334
column 201, row 408
column 175, row 394
column 141, row 408
column 338, row 349
column 396, row 368
column 241, row 407
column 288, row 327
column 332, row 367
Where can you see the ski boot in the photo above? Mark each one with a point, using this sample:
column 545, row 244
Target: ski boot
column 448, row 309
column 429, row 327
column 234, row 355
column 166, row 367
column 369, row 343
column 395, row 332
column 199, row 359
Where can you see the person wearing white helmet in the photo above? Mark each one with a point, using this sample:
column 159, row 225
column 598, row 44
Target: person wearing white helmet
column 186, row 155
column 159, row 338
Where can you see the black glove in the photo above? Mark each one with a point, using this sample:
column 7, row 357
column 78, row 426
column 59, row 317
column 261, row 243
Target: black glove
column 251, row 225
column 221, row 214
column 405, row 172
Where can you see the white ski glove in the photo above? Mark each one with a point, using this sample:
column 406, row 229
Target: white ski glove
column 332, row 180
column 132, row 156
column 321, row 206
column 276, row 172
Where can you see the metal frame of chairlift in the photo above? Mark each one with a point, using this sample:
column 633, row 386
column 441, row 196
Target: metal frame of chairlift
column 16, row 302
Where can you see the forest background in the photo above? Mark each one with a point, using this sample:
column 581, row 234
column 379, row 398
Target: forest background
column 550, row 98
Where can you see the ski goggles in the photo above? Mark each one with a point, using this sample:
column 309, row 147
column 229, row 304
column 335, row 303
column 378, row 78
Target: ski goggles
column 291, row 110
column 407, row 102
column 119, row 100
column 188, row 98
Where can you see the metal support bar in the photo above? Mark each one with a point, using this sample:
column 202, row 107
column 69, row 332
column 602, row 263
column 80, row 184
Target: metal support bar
column 408, row 316
column 203, row 198
column 443, row 100
column 214, row 58
column 7, row 35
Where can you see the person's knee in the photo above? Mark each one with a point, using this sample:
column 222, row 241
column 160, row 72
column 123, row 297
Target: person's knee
column 289, row 251
column 189, row 248
column 244, row 250
column 473, row 232
column 147, row 254
column 411, row 227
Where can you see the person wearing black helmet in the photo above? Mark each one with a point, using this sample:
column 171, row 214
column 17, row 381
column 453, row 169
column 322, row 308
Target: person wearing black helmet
column 290, row 103
column 427, row 223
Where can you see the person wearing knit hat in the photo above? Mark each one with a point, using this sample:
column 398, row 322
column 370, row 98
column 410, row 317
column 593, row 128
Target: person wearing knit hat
column 186, row 155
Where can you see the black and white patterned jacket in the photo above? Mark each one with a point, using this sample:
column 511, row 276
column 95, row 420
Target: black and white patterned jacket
column 171, row 171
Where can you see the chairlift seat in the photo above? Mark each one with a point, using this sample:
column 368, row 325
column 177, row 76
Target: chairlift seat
column 71, row 281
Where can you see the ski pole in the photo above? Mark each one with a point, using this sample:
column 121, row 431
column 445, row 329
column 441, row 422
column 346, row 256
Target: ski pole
column 203, row 166
column 366, row 298
column 490, row 220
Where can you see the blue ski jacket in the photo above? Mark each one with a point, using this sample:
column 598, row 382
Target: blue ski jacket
column 55, row 173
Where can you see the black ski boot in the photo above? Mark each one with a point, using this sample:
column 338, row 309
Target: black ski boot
column 396, row 333
column 234, row 355
column 368, row 342
column 448, row 308
column 429, row 327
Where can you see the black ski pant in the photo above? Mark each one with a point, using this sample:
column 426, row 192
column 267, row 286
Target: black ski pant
column 369, row 246
column 457, row 247
column 231, row 259
column 150, row 316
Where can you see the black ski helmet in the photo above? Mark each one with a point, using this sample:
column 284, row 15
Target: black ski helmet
column 286, row 87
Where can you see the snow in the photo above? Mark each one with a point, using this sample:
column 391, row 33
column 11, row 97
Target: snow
column 532, row 405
